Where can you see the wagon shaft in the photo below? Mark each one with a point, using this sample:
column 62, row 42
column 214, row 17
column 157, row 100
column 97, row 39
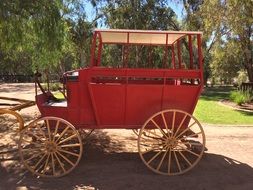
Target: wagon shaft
column 21, row 105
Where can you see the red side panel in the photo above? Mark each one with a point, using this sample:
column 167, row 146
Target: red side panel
column 108, row 102
column 142, row 102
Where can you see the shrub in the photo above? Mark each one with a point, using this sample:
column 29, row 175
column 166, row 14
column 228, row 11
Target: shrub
column 240, row 97
column 52, row 86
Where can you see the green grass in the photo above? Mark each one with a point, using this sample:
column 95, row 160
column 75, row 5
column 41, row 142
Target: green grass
column 208, row 110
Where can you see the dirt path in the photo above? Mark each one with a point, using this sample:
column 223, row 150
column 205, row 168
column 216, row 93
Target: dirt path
column 111, row 161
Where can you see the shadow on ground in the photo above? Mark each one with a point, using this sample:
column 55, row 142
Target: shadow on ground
column 105, row 165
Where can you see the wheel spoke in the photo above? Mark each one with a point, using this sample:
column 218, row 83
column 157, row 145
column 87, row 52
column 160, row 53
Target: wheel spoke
column 32, row 149
column 160, row 164
column 157, row 154
column 53, row 164
column 37, row 137
column 180, row 125
column 68, row 152
column 154, row 148
column 189, row 151
column 158, row 137
column 37, row 164
column 186, row 129
column 151, row 145
column 46, row 164
column 57, row 158
column 173, row 123
column 70, row 145
column 65, row 158
column 48, row 129
column 165, row 123
column 33, row 156
column 42, row 132
column 169, row 161
column 64, row 140
column 190, row 164
column 56, row 130
column 62, row 133
column 178, row 164
column 159, row 128
column 31, row 142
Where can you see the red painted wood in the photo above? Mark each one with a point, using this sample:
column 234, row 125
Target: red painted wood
column 100, row 97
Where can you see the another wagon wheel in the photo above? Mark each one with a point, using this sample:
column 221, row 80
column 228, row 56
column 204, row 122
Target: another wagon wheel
column 18, row 117
column 171, row 142
column 50, row 147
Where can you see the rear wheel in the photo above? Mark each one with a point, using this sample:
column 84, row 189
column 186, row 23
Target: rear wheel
column 171, row 142
column 50, row 147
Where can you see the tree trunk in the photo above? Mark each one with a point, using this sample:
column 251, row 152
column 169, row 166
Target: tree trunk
column 250, row 72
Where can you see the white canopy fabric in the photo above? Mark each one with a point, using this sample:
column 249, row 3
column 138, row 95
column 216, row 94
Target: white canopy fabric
column 152, row 37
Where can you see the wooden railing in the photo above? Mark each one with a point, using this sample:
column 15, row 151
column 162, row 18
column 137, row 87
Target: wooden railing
column 247, row 86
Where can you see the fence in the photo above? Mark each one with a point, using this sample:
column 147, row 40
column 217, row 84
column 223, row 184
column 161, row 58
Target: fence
column 247, row 86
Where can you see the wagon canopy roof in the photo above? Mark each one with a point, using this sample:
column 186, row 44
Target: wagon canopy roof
column 152, row 37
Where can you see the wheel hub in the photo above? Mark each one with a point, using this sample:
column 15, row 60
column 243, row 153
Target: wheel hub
column 50, row 147
column 171, row 142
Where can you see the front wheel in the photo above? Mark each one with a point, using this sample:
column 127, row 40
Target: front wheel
column 171, row 142
column 50, row 147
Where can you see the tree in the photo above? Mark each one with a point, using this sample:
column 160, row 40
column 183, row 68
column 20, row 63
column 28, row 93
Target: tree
column 225, row 62
column 233, row 20
column 40, row 30
column 136, row 14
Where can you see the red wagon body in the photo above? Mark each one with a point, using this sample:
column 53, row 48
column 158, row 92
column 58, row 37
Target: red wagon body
column 102, row 97
column 147, row 80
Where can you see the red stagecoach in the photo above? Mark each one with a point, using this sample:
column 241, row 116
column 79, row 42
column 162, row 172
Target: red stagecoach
column 148, row 81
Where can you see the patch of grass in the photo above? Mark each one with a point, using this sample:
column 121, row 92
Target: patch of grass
column 213, row 113
column 240, row 97
column 208, row 109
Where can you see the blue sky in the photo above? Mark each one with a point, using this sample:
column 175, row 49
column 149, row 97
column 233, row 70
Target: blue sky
column 177, row 7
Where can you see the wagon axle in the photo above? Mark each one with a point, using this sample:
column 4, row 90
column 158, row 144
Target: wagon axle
column 171, row 142
column 51, row 147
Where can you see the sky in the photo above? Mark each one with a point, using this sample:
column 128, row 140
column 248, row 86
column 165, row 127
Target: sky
column 177, row 7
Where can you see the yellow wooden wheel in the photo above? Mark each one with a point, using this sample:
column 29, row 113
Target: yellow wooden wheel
column 18, row 117
column 171, row 142
column 50, row 147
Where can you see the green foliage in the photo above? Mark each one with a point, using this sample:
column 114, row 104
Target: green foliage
column 229, row 24
column 128, row 14
column 242, row 77
column 225, row 62
column 42, row 32
column 241, row 97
